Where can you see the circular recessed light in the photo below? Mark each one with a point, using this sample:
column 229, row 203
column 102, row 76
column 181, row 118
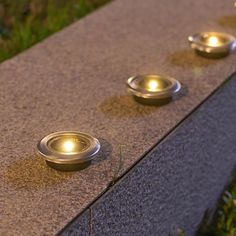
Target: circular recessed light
column 68, row 150
column 212, row 44
column 153, row 89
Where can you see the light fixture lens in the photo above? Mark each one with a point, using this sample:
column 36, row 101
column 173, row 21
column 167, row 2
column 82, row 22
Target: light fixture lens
column 154, row 83
column 68, row 144
column 213, row 41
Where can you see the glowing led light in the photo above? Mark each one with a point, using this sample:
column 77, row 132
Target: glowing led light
column 68, row 146
column 153, row 89
column 212, row 44
column 68, row 150
column 153, row 85
column 213, row 41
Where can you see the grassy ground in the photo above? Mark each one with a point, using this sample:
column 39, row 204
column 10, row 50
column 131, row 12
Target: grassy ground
column 224, row 221
column 26, row 22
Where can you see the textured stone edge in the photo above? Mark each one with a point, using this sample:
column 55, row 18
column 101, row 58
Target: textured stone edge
column 80, row 217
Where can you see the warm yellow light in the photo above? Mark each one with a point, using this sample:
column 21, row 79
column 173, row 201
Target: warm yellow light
column 213, row 41
column 153, row 85
column 68, row 146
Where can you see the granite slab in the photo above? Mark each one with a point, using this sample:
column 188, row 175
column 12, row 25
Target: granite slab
column 179, row 181
column 80, row 226
column 74, row 80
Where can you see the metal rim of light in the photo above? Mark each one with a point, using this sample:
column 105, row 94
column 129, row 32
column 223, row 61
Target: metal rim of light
column 197, row 43
column 135, row 89
column 93, row 147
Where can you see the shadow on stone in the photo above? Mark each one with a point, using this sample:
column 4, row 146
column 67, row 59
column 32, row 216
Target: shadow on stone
column 153, row 102
column 33, row 172
column 124, row 106
column 69, row 167
column 188, row 59
column 104, row 153
column 228, row 21
column 183, row 92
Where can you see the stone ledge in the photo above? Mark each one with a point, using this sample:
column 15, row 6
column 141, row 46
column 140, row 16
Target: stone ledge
column 177, row 182
column 75, row 79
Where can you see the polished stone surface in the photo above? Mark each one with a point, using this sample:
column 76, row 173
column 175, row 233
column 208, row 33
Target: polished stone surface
column 75, row 80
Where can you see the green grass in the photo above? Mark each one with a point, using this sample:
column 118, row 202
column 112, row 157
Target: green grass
column 224, row 221
column 26, row 22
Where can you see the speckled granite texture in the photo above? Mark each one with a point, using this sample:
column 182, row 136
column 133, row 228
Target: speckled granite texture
column 80, row 226
column 75, row 80
column 174, row 184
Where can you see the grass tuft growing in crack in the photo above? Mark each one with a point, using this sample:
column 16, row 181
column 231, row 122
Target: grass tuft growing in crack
column 117, row 171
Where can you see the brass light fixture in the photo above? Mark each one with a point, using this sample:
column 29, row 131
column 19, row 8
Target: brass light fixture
column 68, row 150
column 153, row 89
column 212, row 44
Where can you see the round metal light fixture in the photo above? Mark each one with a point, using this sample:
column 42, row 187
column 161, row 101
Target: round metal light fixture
column 68, row 150
column 153, row 89
column 212, row 44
